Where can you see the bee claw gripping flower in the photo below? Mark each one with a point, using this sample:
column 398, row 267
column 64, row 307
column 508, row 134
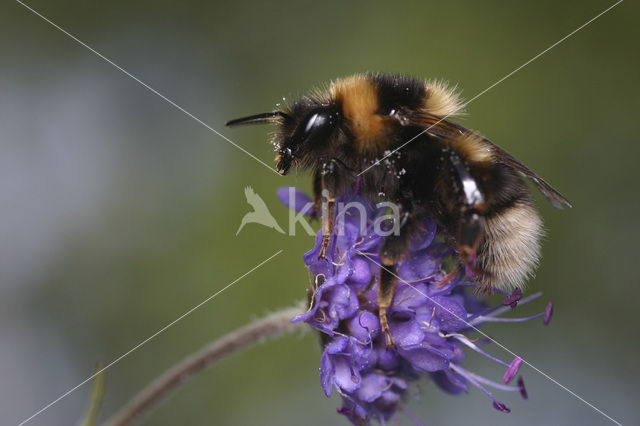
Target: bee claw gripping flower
column 429, row 323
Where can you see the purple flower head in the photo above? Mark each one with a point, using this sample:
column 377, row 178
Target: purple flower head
column 430, row 318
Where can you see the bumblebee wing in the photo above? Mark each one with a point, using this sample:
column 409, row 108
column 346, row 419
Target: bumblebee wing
column 556, row 199
column 447, row 130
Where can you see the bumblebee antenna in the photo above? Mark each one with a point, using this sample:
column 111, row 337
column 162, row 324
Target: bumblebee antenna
column 265, row 117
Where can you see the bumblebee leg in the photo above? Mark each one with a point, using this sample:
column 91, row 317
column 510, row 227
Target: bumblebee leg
column 447, row 278
column 317, row 194
column 393, row 249
column 328, row 219
column 469, row 210
column 328, row 185
column 386, row 291
column 470, row 233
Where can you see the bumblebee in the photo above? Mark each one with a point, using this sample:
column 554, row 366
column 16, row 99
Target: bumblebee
column 392, row 135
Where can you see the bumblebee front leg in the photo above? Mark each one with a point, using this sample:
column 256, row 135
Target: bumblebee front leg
column 328, row 220
column 327, row 186
column 317, row 194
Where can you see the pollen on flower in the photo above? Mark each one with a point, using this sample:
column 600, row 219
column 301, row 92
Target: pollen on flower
column 513, row 298
column 547, row 313
column 523, row 390
column 501, row 407
column 512, row 370
column 429, row 322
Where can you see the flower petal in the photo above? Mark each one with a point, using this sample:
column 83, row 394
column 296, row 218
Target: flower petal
column 388, row 359
column 449, row 383
column 373, row 384
column 344, row 376
column 360, row 272
column 424, row 359
column 425, row 236
column 450, row 313
column 295, row 199
column 406, row 332
column 422, row 265
column 365, row 326
column 326, row 374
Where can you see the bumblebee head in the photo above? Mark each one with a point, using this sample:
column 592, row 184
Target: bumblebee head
column 304, row 133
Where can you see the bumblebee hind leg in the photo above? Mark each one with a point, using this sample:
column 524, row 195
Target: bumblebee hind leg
column 470, row 237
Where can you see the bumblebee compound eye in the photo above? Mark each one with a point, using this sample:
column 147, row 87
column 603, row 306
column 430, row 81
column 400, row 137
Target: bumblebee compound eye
column 315, row 122
column 309, row 138
column 316, row 127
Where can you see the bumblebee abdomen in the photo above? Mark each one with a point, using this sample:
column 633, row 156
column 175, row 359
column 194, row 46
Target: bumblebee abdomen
column 510, row 250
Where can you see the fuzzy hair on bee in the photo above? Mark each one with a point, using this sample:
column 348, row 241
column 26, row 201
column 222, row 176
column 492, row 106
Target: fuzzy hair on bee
column 358, row 130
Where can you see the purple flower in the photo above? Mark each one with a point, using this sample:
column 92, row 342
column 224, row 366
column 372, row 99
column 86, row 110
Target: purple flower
column 429, row 322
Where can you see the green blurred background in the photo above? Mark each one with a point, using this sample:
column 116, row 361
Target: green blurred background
column 118, row 212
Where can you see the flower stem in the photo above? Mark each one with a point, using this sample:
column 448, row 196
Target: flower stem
column 273, row 325
column 95, row 400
